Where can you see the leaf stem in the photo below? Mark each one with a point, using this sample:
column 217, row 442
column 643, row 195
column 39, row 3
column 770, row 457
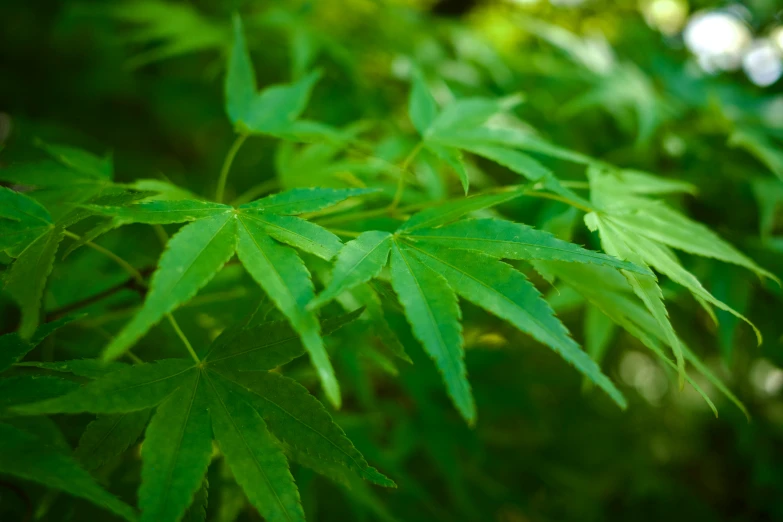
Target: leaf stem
column 111, row 255
column 232, row 152
column 184, row 339
column 404, row 170
column 133, row 357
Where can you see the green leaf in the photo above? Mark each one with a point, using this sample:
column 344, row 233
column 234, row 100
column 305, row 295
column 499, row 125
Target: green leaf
column 505, row 292
column 254, row 456
column 22, row 221
column 240, row 78
column 23, row 456
column 299, row 420
column 267, row 345
column 646, row 288
column 197, row 512
column 508, row 240
column 26, row 279
column 285, row 279
column 422, row 108
column 275, row 108
column 25, row 389
column 90, row 368
column 192, row 257
column 432, row 310
column 129, row 389
column 13, row 347
column 301, row 200
column 162, row 212
column 453, row 158
column 301, row 234
column 455, row 209
column 109, row 436
column 359, row 261
column 176, row 452
column 81, row 161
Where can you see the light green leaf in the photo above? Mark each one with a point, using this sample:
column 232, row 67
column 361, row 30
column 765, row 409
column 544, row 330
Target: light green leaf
column 434, row 315
column 301, row 200
column 505, row 292
column 109, row 436
column 455, row 209
column 299, row 233
column 23, row 456
column 254, row 456
column 275, row 108
column 176, row 452
column 359, row 261
column 300, row 420
column 192, row 257
column 26, row 279
column 645, row 287
column 422, row 108
column 129, row 389
column 162, row 212
column 508, row 240
column 285, row 279
column 453, row 158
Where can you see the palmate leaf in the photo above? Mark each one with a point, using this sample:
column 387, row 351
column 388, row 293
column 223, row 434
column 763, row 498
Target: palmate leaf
column 254, row 232
column 13, row 347
column 462, row 126
column 24, row 456
column 434, row 257
column 432, row 309
column 109, row 436
column 22, row 221
column 26, row 279
column 240, row 408
column 275, row 109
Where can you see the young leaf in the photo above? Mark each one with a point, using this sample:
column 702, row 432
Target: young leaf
column 431, row 308
column 285, row 279
column 359, row 261
column 508, row 240
column 503, row 291
column 109, row 436
column 422, row 108
column 271, row 111
column 192, row 257
column 255, row 458
column 24, row 456
column 176, row 452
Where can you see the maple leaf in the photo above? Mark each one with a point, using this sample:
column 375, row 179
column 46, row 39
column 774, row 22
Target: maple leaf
column 255, row 415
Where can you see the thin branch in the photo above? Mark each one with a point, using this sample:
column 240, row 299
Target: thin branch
column 111, row 255
column 232, row 152
column 182, row 337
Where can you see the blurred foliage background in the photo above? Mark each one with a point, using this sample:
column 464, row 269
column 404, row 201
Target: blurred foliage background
column 686, row 90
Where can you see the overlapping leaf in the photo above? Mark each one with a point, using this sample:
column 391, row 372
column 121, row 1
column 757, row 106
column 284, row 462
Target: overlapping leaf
column 227, row 395
column 254, row 231
column 434, row 259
